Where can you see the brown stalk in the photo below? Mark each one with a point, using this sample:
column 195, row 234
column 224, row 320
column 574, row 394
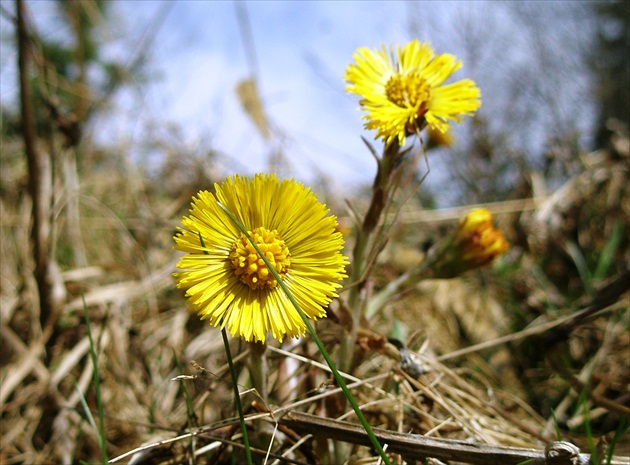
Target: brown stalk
column 415, row 447
column 40, row 180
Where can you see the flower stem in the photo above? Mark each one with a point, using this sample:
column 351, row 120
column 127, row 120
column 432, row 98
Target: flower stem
column 347, row 339
column 237, row 397
column 379, row 300
column 357, row 295
column 258, row 368
column 405, row 281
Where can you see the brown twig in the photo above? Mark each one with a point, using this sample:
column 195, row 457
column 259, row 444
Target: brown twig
column 417, row 447
column 40, row 179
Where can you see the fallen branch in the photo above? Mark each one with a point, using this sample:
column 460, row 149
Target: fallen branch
column 414, row 447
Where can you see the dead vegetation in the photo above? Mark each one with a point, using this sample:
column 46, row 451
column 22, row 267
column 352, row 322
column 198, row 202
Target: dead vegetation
column 158, row 408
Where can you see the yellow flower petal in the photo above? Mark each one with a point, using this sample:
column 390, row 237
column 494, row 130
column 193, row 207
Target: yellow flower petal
column 402, row 91
column 475, row 243
column 301, row 241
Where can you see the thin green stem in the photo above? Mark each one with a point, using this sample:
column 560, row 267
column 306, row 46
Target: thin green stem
column 340, row 381
column 237, row 396
column 318, row 342
column 97, row 387
column 190, row 410
column 402, row 283
column 380, row 299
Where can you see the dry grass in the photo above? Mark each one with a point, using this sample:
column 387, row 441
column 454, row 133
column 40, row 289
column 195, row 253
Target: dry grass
column 164, row 381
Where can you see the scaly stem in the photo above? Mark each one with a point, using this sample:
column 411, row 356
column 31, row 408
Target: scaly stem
column 355, row 304
column 358, row 295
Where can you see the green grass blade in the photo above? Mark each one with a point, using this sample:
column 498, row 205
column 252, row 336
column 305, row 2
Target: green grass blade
column 97, row 387
column 621, row 432
column 87, row 411
column 237, row 396
column 190, row 411
column 580, row 264
column 609, row 252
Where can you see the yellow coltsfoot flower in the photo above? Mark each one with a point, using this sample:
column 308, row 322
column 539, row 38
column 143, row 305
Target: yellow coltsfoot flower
column 475, row 243
column 478, row 240
column 228, row 283
column 402, row 91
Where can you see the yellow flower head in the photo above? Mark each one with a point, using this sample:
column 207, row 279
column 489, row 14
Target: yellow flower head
column 225, row 279
column 439, row 139
column 475, row 243
column 402, row 91
column 478, row 241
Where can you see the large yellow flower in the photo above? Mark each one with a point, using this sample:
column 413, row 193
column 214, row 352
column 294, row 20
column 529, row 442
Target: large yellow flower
column 402, row 91
column 226, row 280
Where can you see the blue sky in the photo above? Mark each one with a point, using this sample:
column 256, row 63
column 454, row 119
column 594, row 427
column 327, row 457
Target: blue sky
column 302, row 50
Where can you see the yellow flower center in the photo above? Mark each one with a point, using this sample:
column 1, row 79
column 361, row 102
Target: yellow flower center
column 408, row 90
column 250, row 267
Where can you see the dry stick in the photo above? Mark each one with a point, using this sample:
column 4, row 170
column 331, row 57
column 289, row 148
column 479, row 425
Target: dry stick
column 28, row 361
column 454, row 213
column 278, row 412
column 527, row 332
column 40, row 179
column 200, row 432
column 418, row 447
